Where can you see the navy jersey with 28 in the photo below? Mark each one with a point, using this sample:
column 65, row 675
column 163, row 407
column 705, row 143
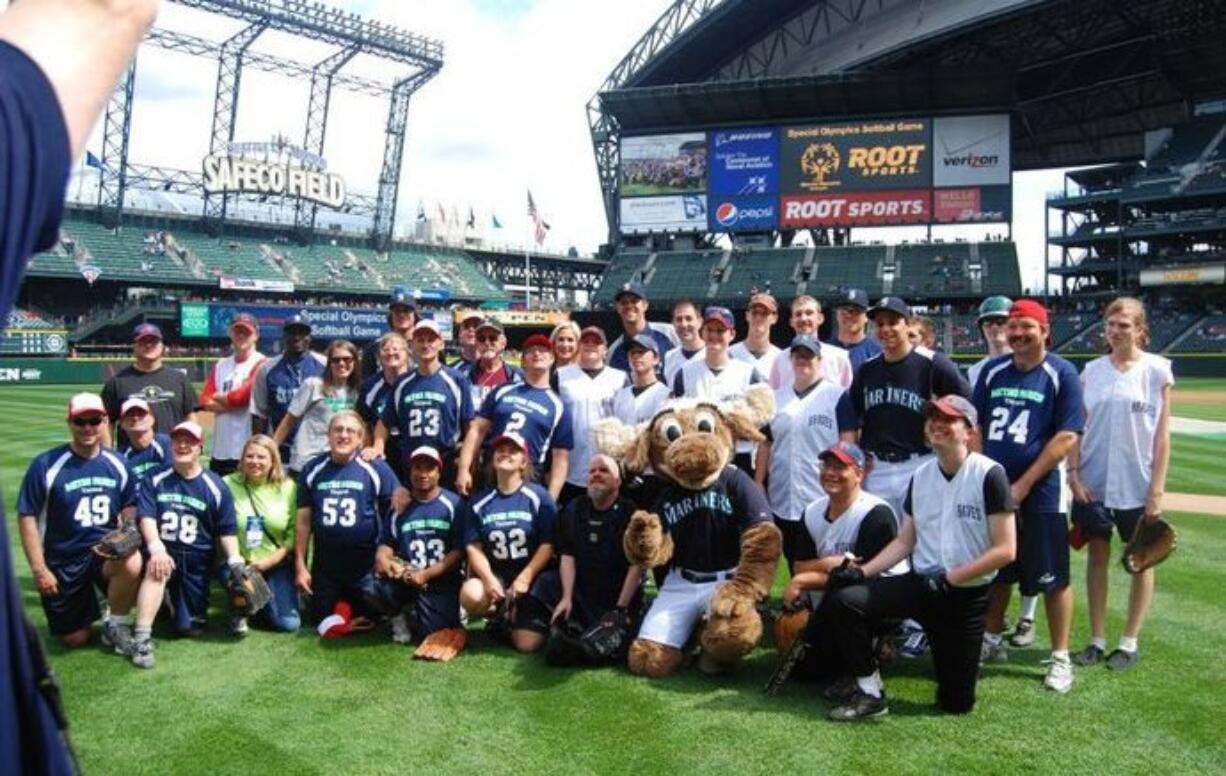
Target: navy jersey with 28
column 191, row 514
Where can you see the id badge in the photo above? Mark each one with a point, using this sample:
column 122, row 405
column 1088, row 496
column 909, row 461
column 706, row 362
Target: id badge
column 254, row 534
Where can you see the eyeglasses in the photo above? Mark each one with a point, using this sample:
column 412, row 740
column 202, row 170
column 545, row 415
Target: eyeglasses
column 487, row 338
column 343, row 430
column 94, row 420
column 341, row 360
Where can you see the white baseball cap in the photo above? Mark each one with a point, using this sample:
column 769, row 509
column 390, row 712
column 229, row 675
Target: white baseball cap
column 135, row 403
column 85, row 404
column 427, row 324
column 191, row 428
column 426, row 451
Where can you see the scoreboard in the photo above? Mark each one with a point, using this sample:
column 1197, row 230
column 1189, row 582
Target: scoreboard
column 29, row 342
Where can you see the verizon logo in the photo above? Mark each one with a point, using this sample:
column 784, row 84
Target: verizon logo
column 972, row 160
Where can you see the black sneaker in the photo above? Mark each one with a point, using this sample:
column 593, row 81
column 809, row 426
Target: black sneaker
column 1091, row 655
column 1121, row 660
column 840, row 690
column 860, row 706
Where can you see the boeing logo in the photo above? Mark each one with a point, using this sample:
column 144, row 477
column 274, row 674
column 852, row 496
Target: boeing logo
column 740, row 137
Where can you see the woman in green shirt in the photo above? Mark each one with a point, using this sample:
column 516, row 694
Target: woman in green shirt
column 265, row 506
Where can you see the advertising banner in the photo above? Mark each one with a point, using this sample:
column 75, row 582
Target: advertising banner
column 663, row 164
column 744, row 214
column 972, row 204
column 327, row 323
column 1195, row 275
column 855, row 156
column 744, row 161
column 970, row 151
column 255, row 284
column 857, row 209
column 686, row 213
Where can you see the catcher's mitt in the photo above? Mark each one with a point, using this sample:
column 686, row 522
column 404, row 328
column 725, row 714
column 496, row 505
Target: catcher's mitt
column 789, row 626
column 442, row 645
column 609, row 638
column 118, row 543
column 248, row 590
column 1152, row 541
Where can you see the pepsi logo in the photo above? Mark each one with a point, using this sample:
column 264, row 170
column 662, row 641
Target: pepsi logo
column 726, row 214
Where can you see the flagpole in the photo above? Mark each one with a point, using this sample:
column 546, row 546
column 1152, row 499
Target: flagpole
column 528, row 270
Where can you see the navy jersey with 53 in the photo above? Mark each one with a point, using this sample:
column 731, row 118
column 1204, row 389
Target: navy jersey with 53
column 1020, row 412
column 511, row 526
column 191, row 514
column 76, row 500
column 347, row 501
column 426, row 531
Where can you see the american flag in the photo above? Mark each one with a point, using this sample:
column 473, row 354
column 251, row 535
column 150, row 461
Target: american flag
column 539, row 227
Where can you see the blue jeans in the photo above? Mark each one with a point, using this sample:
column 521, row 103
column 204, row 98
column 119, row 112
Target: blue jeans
column 281, row 612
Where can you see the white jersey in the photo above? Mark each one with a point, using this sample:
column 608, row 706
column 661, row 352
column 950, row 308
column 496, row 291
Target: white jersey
column 839, row 536
column 1122, row 412
column 972, row 372
column 951, row 518
column 589, row 399
column 802, row 428
column 763, row 363
column 836, row 367
column 675, row 359
column 231, row 429
column 633, row 409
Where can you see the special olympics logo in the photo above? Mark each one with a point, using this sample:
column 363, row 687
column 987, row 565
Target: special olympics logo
column 727, row 214
column 819, row 162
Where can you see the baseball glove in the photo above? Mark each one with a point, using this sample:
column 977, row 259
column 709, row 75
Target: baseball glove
column 118, row 543
column 789, row 626
column 1151, row 543
column 609, row 638
column 399, row 569
column 248, row 590
column 442, row 645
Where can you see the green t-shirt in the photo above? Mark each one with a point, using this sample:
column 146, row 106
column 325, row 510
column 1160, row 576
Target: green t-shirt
column 265, row 516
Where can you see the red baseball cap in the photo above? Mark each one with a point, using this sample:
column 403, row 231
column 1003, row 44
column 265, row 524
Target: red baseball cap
column 428, row 452
column 538, row 341
column 1029, row 308
column 245, row 321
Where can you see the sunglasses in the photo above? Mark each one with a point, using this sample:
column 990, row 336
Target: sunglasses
column 341, row 360
column 488, row 338
column 94, row 420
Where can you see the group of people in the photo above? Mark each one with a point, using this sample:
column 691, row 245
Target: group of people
column 909, row 497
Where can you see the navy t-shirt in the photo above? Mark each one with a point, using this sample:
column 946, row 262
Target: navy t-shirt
column 191, row 514
column 511, row 526
column 594, row 539
column 76, row 500
column 426, row 531
column 347, row 502
column 859, row 352
column 706, row 525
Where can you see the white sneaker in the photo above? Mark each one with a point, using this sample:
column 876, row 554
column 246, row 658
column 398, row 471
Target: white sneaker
column 989, row 653
column 1023, row 635
column 400, row 630
column 1059, row 675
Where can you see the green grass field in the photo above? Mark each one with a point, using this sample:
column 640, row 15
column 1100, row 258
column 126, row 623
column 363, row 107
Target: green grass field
column 291, row 704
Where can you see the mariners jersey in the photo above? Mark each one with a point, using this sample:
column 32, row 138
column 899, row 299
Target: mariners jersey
column 762, row 363
column 142, row 463
column 76, row 500
column 594, row 539
column 675, row 359
column 859, row 352
column 836, row 367
column 511, row 526
column 276, row 382
column 1117, row 451
column 633, row 405
column 429, row 410
column 706, row 525
column 951, row 513
column 347, row 501
column 887, row 398
column 426, row 531
column 974, row 370
column 664, row 335
column 537, row 414
column 1019, row 413
column 803, row 426
column 191, row 514
column 589, row 399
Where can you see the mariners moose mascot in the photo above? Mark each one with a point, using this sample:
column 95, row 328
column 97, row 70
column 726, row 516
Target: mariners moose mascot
column 710, row 525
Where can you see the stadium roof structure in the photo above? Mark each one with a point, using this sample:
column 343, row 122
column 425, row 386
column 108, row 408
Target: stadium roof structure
column 1083, row 79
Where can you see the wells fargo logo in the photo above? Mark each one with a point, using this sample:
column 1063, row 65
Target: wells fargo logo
column 820, row 162
column 885, row 161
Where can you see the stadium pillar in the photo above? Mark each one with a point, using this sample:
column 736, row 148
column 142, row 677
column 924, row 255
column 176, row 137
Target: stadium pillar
column 317, row 125
column 116, row 131
column 225, row 106
column 393, row 152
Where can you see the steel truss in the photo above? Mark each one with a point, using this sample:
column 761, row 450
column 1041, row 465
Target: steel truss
column 351, row 34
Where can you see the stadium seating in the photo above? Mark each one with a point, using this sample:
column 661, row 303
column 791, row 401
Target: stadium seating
column 1078, row 333
column 966, row 336
column 1208, row 337
column 1163, row 329
column 776, row 271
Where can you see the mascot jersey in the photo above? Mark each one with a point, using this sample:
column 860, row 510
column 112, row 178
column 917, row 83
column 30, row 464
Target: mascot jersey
column 706, row 525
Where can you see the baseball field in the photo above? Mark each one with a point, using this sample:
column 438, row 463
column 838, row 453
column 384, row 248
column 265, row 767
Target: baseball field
column 291, row 704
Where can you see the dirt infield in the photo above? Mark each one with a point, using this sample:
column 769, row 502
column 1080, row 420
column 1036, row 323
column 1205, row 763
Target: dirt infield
column 1191, row 502
column 1198, row 397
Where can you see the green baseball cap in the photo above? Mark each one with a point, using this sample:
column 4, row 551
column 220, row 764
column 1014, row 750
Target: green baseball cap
column 994, row 307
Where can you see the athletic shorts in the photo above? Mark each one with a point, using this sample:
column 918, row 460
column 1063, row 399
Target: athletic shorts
column 80, row 580
column 1042, row 564
column 792, row 530
column 188, row 591
column 362, row 593
column 1096, row 521
column 677, row 609
column 534, row 611
column 429, row 610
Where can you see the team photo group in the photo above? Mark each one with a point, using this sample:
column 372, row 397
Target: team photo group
column 349, row 489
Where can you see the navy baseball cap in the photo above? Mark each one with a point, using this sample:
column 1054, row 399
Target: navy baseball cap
column 855, row 297
column 721, row 314
column 632, row 288
column 846, row 452
column 890, row 304
column 808, row 342
column 643, row 341
column 953, row 406
column 296, row 322
column 146, row 330
column 402, row 297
